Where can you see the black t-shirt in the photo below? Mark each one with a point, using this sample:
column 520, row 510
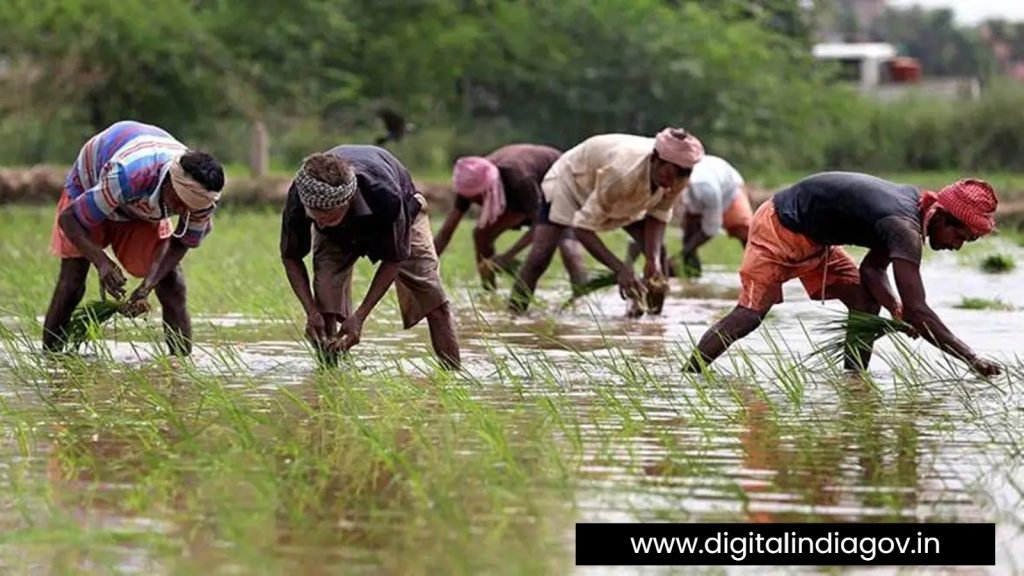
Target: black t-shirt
column 379, row 218
column 522, row 168
column 837, row 208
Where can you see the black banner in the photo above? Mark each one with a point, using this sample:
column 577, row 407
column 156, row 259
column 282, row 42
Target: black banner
column 786, row 544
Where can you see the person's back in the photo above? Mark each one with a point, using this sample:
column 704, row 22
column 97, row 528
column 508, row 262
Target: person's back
column 605, row 155
column 839, row 208
column 142, row 149
column 716, row 172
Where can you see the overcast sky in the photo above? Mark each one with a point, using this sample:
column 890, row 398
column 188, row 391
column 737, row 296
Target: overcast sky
column 972, row 11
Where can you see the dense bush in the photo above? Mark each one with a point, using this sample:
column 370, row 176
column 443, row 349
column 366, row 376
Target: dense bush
column 472, row 75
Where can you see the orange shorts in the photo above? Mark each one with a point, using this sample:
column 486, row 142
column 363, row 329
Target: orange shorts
column 776, row 254
column 136, row 244
column 739, row 213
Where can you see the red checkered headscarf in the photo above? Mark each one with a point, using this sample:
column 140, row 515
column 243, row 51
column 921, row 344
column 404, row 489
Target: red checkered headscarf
column 970, row 201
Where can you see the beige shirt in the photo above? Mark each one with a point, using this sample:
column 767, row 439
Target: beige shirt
column 604, row 183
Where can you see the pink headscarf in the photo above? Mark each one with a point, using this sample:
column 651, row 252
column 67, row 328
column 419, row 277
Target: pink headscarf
column 972, row 202
column 685, row 152
column 476, row 176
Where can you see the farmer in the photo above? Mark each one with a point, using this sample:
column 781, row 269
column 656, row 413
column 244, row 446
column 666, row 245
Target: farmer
column 800, row 234
column 506, row 184
column 607, row 182
column 714, row 199
column 126, row 183
column 355, row 201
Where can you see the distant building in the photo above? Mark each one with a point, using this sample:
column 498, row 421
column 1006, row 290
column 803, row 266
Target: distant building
column 876, row 70
column 862, row 62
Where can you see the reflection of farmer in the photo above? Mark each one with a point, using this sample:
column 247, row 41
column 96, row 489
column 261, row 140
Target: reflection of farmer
column 126, row 183
column 800, row 234
column 607, row 182
column 355, row 201
column 506, row 184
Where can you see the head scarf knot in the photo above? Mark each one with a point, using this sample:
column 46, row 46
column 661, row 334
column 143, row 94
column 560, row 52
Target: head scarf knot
column 683, row 152
column 970, row 201
column 476, row 176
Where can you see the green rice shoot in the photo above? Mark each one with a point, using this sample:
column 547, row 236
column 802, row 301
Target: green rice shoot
column 856, row 331
column 87, row 321
column 998, row 264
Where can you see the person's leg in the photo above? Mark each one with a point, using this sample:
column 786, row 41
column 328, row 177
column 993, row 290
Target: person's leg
column 736, row 325
column 67, row 294
column 572, row 258
column 441, row 324
column 545, row 242
column 767, row 265
column 421, row 294
column 173, row 296
column 843, row 283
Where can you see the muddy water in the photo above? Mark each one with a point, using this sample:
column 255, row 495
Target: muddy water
column 946, row 450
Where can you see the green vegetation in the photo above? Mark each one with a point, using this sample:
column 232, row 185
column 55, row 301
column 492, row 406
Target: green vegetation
column 998, row 263
column 248, row 458
column 968, row 303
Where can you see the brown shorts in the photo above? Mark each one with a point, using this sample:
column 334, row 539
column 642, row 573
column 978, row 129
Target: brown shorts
column 776, row 254
column 419, row 287
column 136, row 244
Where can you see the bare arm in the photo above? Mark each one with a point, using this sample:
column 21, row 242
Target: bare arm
column 525, row 240
column 693, row 234
column 110, row 274
column 927, row 323
column 298, row 278
column 654, row 237
column 875, row 279
column 592, row 242
column 382, row 281
column 164, row 265
column 444, row 235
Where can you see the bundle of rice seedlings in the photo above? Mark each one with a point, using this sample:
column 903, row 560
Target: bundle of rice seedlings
column 856, row 331
column 88, row 319
column 998, row 263
column 488, row 268
column 593, row 284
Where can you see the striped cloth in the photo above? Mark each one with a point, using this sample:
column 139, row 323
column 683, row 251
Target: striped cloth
column 118, row 175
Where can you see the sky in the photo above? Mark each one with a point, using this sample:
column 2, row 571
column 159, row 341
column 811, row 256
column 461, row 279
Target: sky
column 972, row 11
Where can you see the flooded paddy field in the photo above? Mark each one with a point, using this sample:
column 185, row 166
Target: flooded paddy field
column 248, row 459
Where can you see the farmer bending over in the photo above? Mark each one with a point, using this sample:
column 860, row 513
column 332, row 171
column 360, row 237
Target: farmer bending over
column 355, row 201
column 714, row 199
column 126, row 183
column 607, row 182
column 800, row 234
column 506, row 183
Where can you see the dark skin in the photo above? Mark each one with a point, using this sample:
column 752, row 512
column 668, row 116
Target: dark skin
column 874, row 293
column 165, row 276
column 484, row 239
column 693, row 238
column 339, row 334
column 649, row 236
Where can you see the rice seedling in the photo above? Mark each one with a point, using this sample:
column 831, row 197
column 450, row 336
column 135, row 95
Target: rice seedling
column 246, row 458
column 857, row 331
column 998, row 264
column 971, row 303
column 87, row 320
